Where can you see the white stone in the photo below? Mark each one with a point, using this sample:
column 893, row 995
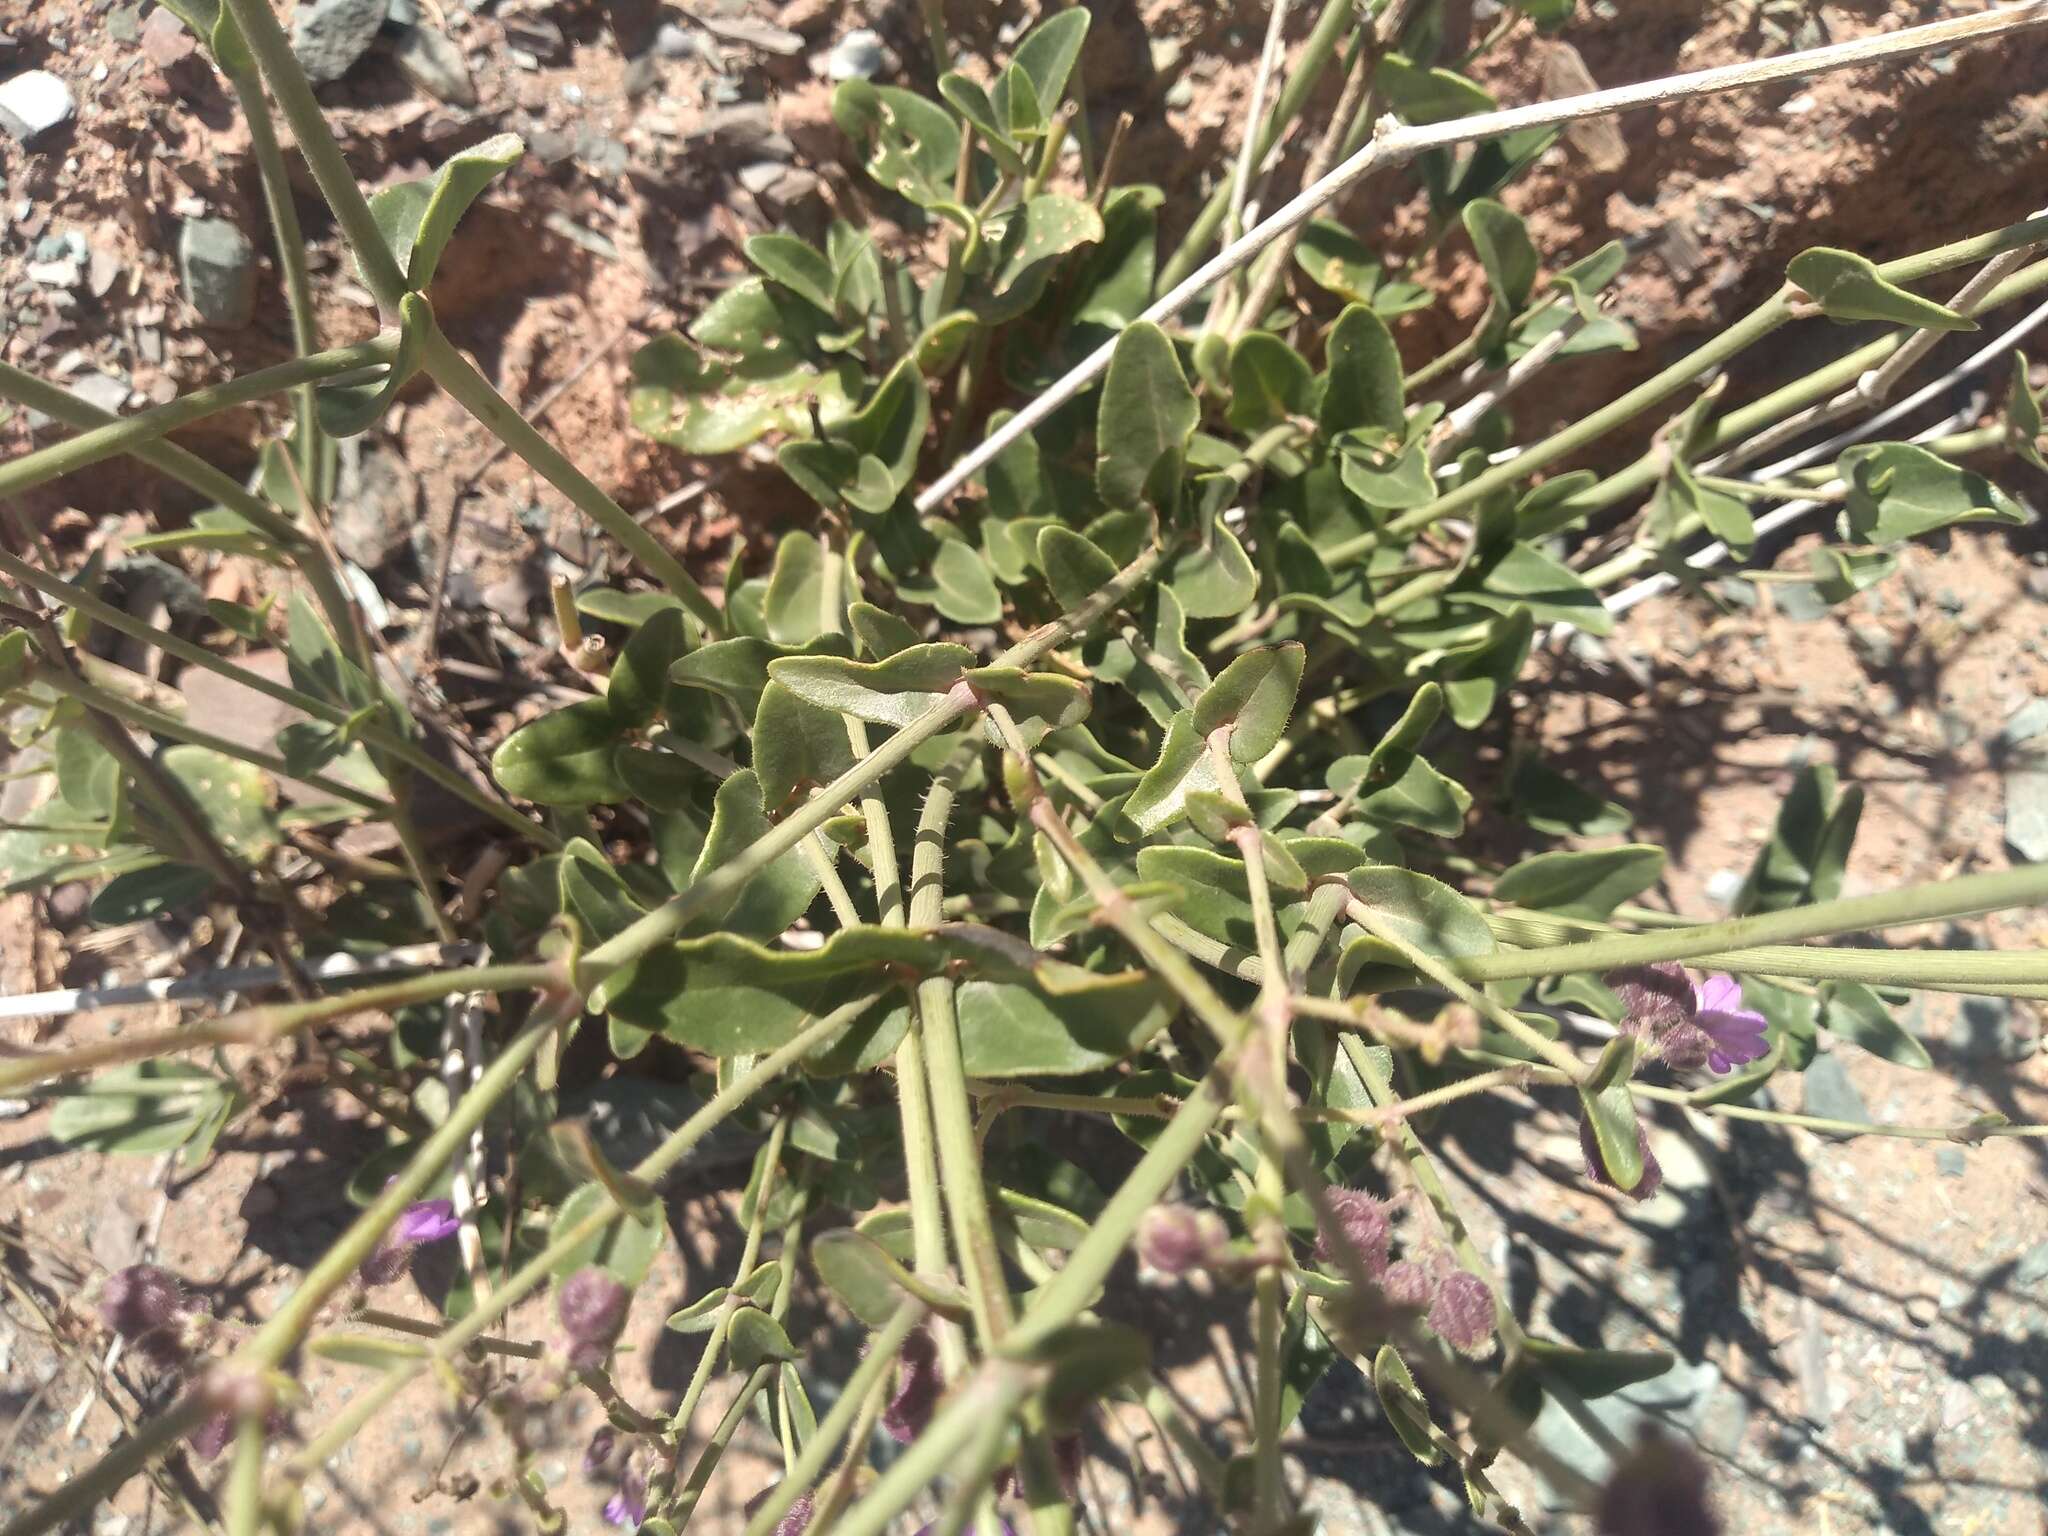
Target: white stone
column 34, row 102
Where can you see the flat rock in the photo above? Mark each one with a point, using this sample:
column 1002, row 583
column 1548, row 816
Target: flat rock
column 1830, row 1094
column 2026, row 811
column 33, row 103
column 104, row 390
column 328, row 36
column 1679, row 1402
column 1993, row 1029
column 217, row 269
column 860, row 55
column 376, row 508
column 434, row 64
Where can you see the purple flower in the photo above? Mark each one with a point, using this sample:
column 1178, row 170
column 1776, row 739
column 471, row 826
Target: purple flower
column 917, row 1389
column 424, row 1221
column 145, row 1305
column 1685, row 1023
column 1661, row 1490
column 210, row 1436
column 1463, row 1314
column 1178, row 1240
column 628, row 1507
column 1737, row 1032
column 592, row 1308
column 598, row 1454
column 795, row 1520
column 1362, row 1222
column 1596, row 1170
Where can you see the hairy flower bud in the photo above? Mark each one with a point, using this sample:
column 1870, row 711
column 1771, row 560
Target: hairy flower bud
column 1596, row 1169
column 145, row 1305
column 424, row 1221
column 1407, row 1285
column 598, row 1454
column 918, row 1386
column 1363, row 1223
column 1661, row 1490
column 795, row 1521
column 1462, row 1314
column 592, row 1308
column 1179, row 1240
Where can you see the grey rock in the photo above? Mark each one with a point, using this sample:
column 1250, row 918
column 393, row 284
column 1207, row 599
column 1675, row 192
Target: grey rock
column 1724, row 1420
column 860, row 55
column 1682, row 1400
column 64, row 272
column 1723, row 886
column 1799, row 602
column 328, row 36
column 2026, row 811
column 1952, row 1162
column 34, row 103
column 1993, row 1029
column 2032, row 1267
column 1921, row 1311
column 217, row 269
column 675, row 42
column 535, row 35
column 1830, row 1094
column 402, row 13
column 103, row 390
column 1873, row 645
column 433, row 63
column 1953, row 1294
column 124, row 24
column 376, row 506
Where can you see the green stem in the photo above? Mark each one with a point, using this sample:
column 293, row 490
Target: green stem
column 714, row 1448
column 100, row 1482
column 1308, row 69
column 1964, row 896
column 1444, row 362
column 291, row 265
column 669, row 919
column 245, row 1479
column 173, row 729
column 102, row 612
column 126, row 433
column 993, row 1394
column 538, row 1270
column 865, row 1381
column 473, row 392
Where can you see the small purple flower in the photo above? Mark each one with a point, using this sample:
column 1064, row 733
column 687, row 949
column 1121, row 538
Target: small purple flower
column 1660, row 1490
column 917, row 1389
column 1363, row 1223
column 628, row 1507
column 424, row 1221
column 211, row 1435
column 798, row 1520
column 1737, row 1032
column 597, row 1455
column 592, row 1308
column 1463, row 1312
column 1596, row 1170
column 1177, row 1240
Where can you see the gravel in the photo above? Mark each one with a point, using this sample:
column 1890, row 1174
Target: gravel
column 34, row 103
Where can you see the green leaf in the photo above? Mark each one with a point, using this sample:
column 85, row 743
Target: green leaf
column 1808, row 853
column 1184, row 766
column 1364, row 376
column 1402, row 1403
column 1900, row 491
column 1269, row 381
column 1048, row 53
column 706, row 405
column 14, row 659
column 966, row 590
column 1390, row 482
column 1254, row 696
column 625, row 1250
column 2023, row 415
column 563, row 758
column 797, row 265
column 1849, row 287
column 1066, row 1021
column 1074, row 567
column 152, row 1106
column 1596, row 1373
column 1147, row 412
column 800, row 602
column 349, row 409
column 1045, row 696
column 1037, row 235
column 772, row 899
column 1424, row 96
column 892, row 692
column 1089, row 1360
column 640, row 677
column 141, row 894
column 1854, row 1012
column 418, row 217
column 88, row 775
column 1548, row 801
column 1525, row 580
column 796, row 743
column 377, row 1352
column 1425, row 913
column 862, row 1274
column 214, row 25
column 1839, row 574
column 238, row 800
column 1334, row 258
column 910, row 145
column 1215, row 580
column 1611, row 1113
column 1587, row 884
column 1505, row 250
column 1421, row 797
column 753, row 1338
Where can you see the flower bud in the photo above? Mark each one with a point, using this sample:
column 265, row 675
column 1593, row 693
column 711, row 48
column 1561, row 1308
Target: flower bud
column 592, row 1308
column 1654, row 998
column 1179, row 1240
column 598, row 1454
column 1407, row 1285
column 424, row 1221
column 1362, row 1222
column 795, row 1520
column 1596, row 1169
column 1661, row 1490
column 917, row 1388
column 1462, row 1314
column 211, row 1435
column 145, row 1305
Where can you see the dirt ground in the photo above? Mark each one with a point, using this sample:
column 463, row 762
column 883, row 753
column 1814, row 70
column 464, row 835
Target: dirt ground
column 1861, row 1323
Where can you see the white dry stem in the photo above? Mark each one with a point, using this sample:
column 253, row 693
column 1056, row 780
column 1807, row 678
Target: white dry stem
column 462, row 1063
column 1394, row 142
column 1462, row 420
